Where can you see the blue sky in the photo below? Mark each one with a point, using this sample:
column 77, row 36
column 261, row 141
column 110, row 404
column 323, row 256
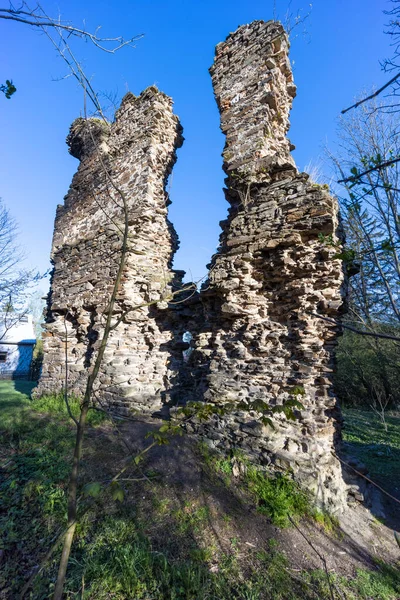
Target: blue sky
column 334, row 61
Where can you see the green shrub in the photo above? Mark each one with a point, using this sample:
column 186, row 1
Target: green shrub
column 367, row 369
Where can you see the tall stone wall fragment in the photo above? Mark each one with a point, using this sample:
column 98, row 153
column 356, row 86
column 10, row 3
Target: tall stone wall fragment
column 258, row 335
column 274, row 271
column 134, row 155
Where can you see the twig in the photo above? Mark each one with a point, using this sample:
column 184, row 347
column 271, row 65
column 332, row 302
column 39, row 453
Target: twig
column 386, row 85
column 380, row 166
column 384, row 336
column 317, row 552
column 42, row 21
column 112, row 419
column 67, row 404
column 366, row 478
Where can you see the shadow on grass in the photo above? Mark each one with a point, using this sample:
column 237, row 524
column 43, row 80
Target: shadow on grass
column 178, row 534
column 34, row 469
column 152, row 545
column 24, row 386
column 377, row 449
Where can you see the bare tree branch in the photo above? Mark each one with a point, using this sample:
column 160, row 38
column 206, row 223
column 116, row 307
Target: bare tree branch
column 367, row 478
column 382, row 165
column 359, row 331
column 374, row 95
column 66, row 399
column 318, row 553
column 35, row 19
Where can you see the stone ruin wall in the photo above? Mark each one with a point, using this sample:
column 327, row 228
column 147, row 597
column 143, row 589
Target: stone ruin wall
column 271, row 274
column 135, row 154
column 255, row 334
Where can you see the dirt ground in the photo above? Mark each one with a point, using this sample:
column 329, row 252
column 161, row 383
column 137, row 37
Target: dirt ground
column 183, row 482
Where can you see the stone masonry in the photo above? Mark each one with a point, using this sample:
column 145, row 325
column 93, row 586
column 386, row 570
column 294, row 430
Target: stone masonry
column 136, row 153
column 274, row 271
column 257, row 336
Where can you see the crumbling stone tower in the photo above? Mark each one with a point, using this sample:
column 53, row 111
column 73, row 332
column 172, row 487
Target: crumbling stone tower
column 135, row 154
column 257, row 332
column 274, row 273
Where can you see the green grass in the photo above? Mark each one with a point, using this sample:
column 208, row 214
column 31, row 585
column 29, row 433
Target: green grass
column 370, row 443
column 55, row 405
column 34, row 452
column 120, row 563
column 35, row 456
column 278, row 497
column 383, row 584
column 14, row 398
column 191, row 518
column 328, row 522
column 116, row 555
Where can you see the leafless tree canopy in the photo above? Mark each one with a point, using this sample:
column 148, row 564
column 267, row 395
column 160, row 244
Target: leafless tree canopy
column 371, row 203
column 15, row 282
column 368, row 168
column 389, row 65
column 37, row 17
column 60, row 32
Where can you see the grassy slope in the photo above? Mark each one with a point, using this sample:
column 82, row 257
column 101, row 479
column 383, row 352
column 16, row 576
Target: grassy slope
column 377, row 448
column 147, row 547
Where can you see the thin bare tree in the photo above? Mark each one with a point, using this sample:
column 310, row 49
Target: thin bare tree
column 371, row 206
column 16, row 282
column 367, row 166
